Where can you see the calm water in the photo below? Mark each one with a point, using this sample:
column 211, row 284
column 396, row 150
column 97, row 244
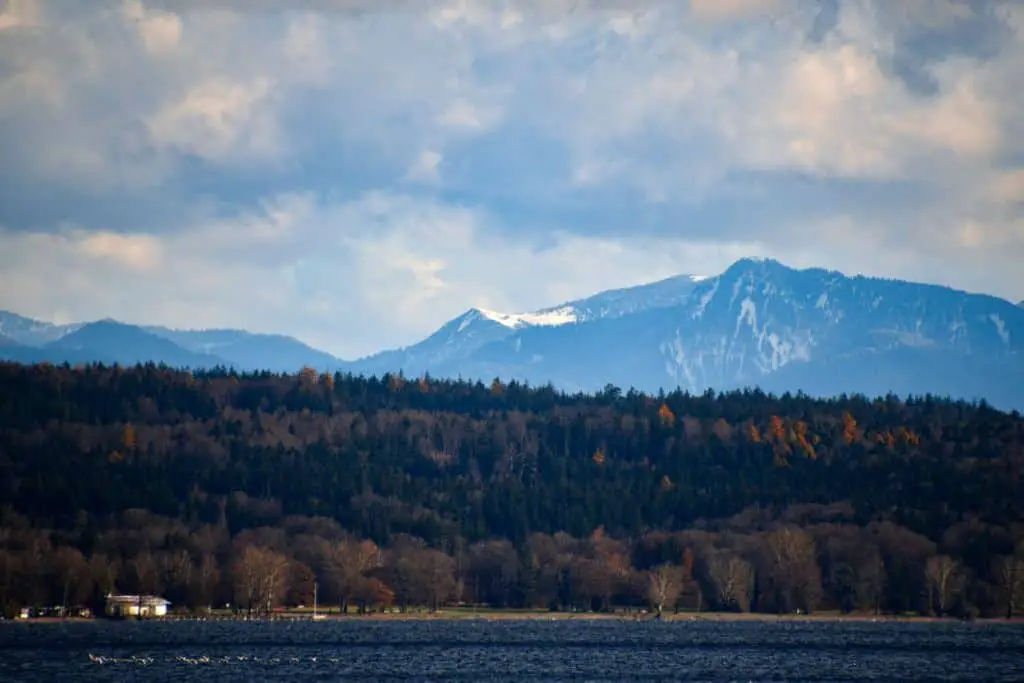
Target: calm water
column 510, row 651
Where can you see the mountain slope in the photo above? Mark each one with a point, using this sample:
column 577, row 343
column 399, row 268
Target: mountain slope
column 26, row 340
column 615, row 303
column 109, row 341
column 30, row 332
column 249, row 351
column 8, row 343
column 758, row 323
column 762, row 323
column 938, row 372
column 458, row 339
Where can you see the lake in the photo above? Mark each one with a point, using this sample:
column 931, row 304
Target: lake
column 576, row 650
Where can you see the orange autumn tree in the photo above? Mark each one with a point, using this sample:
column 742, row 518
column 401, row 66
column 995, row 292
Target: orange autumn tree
column 128, row 438
column 753, row 433
column 777, row 437
column 885, row 438
column 800, row 435
column 907, row 437
column 666, row 417
column 396, row 382
column 722, row 429
column 777, row 430
column 849, row 434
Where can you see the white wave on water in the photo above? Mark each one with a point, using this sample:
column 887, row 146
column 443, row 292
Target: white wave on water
column 136, row 660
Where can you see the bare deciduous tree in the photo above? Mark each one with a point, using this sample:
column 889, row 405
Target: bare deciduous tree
column 731, row 578
column 71, row 573
column 791, row 572
column 103, row 575
column 259, row 578
column 665, row 583
column 205, row 580
column 1009, row 574
column 144, row 573
column 176, row 568
column 440, row 578
column 942, row 573
column 346, row 565
column 491, row 572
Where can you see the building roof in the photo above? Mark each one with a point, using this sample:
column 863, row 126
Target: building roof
column 148, row 600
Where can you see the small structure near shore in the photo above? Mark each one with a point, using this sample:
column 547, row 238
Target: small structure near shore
column 54, row 612
column 136, row 606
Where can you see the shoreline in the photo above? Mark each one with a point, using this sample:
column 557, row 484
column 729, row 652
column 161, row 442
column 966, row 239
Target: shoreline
column 460, row 614
column 687, row 617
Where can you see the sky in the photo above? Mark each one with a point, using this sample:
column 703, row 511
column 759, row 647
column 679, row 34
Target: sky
column 356, row 172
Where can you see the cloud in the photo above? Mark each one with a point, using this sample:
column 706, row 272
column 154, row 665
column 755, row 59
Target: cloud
column 342, row 276
column 355, row 173
column 345, row 276
column 731, row 10
column 425, row 167
column 463, row 114
column 138, row 252
column 160, row 31
column 1008, row 187
column 215, row 119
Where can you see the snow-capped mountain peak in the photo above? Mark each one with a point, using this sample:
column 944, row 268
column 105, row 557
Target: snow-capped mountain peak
column 760, row 322
column 611, row 303
column 461, row 337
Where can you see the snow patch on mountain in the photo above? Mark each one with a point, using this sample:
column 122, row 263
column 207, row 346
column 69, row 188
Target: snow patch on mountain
column 1001, row 330
column 705, row 299
column 31, row 332
column 612, row 303
column 564, row 315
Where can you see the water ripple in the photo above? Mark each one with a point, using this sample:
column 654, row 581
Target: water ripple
column 511, row 651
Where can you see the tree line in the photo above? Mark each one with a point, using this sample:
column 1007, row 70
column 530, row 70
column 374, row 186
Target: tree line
column 808, row 559
column 222, row 488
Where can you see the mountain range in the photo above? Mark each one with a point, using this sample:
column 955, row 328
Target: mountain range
column 108, row 341
column 759, row 323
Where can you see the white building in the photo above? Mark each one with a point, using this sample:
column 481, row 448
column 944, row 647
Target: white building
column 136, row 606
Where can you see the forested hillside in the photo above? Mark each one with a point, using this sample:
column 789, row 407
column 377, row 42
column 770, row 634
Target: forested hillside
column 214, row 488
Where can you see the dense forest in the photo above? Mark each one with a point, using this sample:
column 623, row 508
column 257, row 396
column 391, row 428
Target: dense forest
column 218, row 488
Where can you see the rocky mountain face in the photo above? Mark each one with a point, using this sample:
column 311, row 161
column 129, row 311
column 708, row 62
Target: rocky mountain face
column 763, row 324
column 760, row 323
column 457, row 341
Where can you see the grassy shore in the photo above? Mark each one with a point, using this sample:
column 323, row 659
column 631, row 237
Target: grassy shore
column 486, row 614
column 466, row 613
